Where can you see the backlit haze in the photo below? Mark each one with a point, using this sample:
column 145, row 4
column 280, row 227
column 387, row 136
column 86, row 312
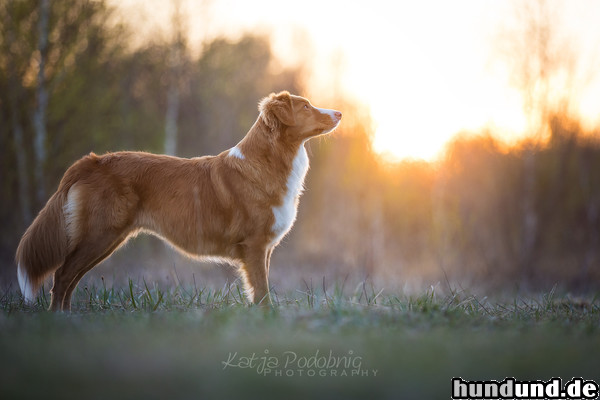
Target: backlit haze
column 427, row 70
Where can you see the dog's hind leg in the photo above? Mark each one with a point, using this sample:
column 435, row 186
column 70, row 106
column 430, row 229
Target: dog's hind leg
column 67, row 298
column 86, row 256
column 255, row 273
column 99, row 221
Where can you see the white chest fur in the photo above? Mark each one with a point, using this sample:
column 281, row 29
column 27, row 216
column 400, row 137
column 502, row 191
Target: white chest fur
column 285, row 214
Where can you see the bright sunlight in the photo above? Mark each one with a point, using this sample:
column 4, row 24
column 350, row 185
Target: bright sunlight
column 427, row 70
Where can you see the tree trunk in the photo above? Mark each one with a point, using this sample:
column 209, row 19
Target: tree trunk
column 174, row 90
column 592, row 215
column 39, row 114
column 530, row 217
column 15, row 93
column 20, row 154
column 171, row 119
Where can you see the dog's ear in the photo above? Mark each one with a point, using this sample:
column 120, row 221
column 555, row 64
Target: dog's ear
column 276, row 109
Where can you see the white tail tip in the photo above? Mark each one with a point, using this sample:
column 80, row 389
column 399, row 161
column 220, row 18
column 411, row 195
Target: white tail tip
column 25, row 285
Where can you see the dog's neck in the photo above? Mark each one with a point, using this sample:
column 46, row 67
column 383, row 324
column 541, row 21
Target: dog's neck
column 263, row 142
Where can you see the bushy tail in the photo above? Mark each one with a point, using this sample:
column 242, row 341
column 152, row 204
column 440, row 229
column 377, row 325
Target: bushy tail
column 43, row 247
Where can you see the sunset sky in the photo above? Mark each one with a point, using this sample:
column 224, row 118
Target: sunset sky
column 426, row 69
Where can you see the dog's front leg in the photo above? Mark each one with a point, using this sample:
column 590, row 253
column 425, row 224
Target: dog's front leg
column 255, row 272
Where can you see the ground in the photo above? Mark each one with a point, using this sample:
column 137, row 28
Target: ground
column 140, row 341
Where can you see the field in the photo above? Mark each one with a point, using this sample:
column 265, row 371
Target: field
column 141, row 341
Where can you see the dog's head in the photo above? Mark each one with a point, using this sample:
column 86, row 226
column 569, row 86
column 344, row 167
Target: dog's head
column 295, row 118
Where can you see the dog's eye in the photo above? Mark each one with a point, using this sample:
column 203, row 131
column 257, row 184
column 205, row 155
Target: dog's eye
column 306, row 106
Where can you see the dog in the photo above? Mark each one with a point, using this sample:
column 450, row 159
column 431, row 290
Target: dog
column 235, row 206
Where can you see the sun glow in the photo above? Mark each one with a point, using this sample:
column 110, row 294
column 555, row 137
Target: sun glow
column 422, row 87
column 427, row 70
column 415, row 120
column 405, row 130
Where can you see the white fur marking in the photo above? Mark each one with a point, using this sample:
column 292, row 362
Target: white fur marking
column 285, row 214
column 331, row 113
column 71, row 211
column 25, row 284
column 236, row 152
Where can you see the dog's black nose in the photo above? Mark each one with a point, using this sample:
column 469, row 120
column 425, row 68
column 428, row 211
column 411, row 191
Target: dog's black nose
column 338, row 114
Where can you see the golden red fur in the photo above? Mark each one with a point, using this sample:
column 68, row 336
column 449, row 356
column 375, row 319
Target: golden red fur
column 236, row 205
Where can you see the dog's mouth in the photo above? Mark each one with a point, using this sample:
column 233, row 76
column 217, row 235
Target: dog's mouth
column 328, row 130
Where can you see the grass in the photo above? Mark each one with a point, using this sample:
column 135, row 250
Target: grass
column 144, row 341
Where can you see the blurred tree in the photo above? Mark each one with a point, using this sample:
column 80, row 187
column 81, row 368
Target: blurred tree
column 346, row 189
column 143, row 84
column 176, row 77
column 76, row 78
column 39, row 113
column 225, row 85
column 542, row 65
column 15, row 37
column 56, row 61
column 541, row 61
column 486, row 212
column 477, row 197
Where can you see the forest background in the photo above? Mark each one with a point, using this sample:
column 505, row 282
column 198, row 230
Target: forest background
column 76, row 77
